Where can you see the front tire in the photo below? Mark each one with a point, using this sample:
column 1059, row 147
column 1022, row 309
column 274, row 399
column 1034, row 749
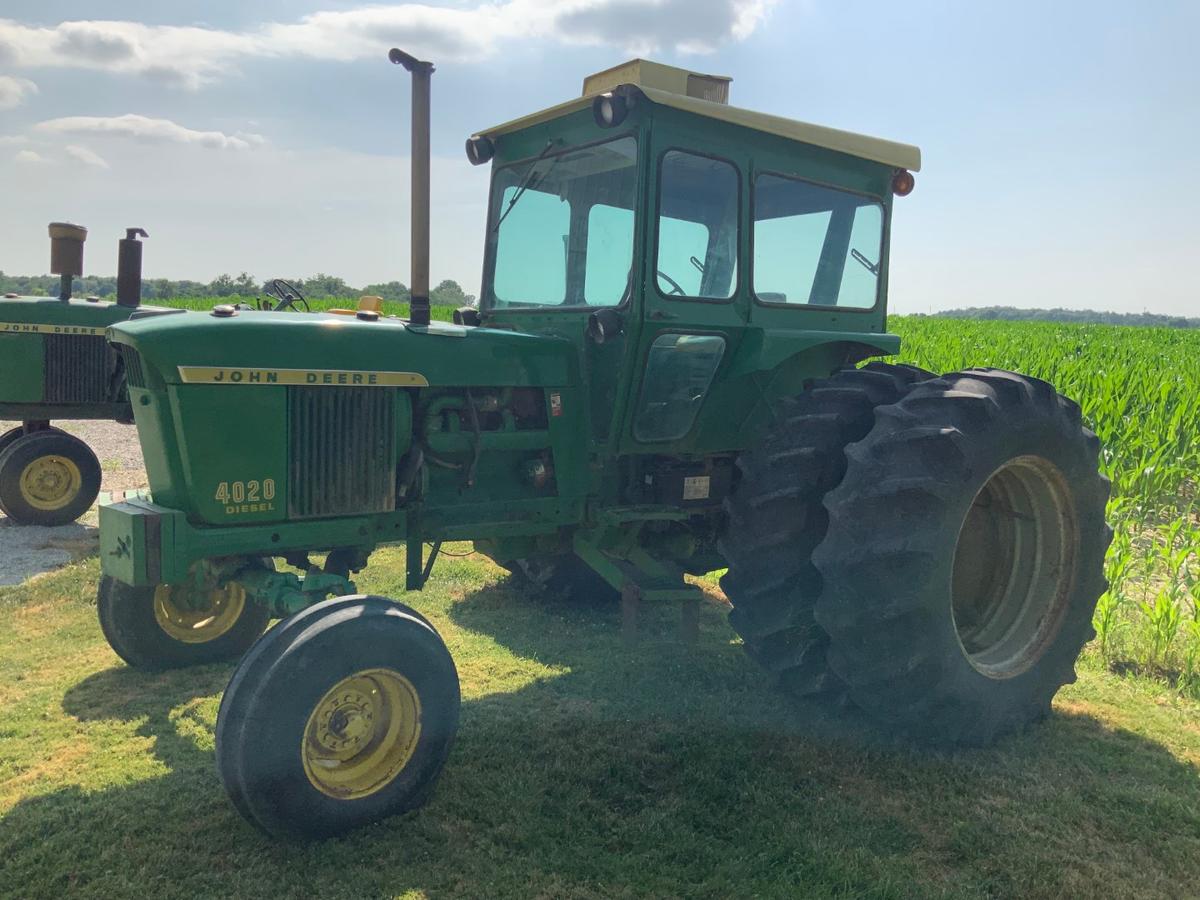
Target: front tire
column 964, row 557
column 47, row 477
column 342, row 715
column 156, row 628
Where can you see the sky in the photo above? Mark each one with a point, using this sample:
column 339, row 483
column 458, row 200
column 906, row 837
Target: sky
column 271, row 136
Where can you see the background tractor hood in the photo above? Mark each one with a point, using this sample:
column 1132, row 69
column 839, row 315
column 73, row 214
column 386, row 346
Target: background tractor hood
column 441, row 353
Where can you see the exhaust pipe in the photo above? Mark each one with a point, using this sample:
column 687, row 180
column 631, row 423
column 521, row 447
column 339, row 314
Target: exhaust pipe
column 66, row 254
column 419, row 289
column 129, row 268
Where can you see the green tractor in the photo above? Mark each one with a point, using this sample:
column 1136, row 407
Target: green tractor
column 665, row 375
column 55, row 364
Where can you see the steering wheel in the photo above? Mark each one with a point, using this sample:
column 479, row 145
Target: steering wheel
column 286, row 293
column 675, row 288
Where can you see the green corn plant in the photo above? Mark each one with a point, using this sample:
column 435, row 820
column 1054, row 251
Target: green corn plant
column 1189, row 676
column 1163, row 618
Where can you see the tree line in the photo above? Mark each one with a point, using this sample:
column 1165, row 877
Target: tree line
column 448, row 293
column 1083, row 316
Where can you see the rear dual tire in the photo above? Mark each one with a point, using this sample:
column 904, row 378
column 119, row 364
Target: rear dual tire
column 964, row 557
column 775, row 520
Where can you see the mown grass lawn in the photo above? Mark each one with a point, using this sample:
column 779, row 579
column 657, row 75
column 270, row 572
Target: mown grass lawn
column 583, row 769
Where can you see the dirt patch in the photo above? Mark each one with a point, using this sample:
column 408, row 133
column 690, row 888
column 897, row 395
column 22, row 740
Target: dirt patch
column 28, row 550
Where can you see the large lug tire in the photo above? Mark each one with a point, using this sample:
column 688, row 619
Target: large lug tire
column 964, row 557
column 775, row 519
column 342, row 715
column 153, row 628
column 567, row 577
column 47, row 477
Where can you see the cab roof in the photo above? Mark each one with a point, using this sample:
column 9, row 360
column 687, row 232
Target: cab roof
column 705, row 95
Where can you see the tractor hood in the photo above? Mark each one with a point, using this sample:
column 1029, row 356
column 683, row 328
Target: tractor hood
column 251, row 347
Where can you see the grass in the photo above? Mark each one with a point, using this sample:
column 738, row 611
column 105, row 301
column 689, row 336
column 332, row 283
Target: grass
column 584, row 769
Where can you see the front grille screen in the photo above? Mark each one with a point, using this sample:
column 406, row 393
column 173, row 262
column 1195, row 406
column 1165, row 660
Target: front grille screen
column 342, row 443
column 77, row 369
column 134, row 376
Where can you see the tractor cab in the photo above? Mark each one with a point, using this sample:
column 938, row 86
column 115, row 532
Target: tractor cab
column 689, row 248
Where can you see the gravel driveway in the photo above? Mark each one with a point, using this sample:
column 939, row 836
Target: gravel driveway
column 29, row 550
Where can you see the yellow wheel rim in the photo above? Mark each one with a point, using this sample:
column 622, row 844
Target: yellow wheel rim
column 361, row 734
column 50, row 482
column 198, row 622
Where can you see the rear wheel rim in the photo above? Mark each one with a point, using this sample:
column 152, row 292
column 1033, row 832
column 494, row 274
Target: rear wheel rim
column 50, row 483
column 1014, row 565
column 198, row 623
column 361, row 734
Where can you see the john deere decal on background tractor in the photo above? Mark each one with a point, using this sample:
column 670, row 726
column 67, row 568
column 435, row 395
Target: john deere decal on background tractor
column 663, row 377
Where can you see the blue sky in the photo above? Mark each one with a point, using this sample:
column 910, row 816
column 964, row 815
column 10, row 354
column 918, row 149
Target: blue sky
column 271, row 136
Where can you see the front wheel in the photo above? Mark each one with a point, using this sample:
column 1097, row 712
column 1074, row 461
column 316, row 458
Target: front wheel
column 342, row 715
column 47, row 477
column 172, row 626
column 964, row 556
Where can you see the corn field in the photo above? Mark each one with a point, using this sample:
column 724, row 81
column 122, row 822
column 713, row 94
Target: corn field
column 1140, row 392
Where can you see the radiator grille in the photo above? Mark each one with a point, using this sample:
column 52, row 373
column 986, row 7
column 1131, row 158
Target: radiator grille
column 134, row 376
column 342, row 444
column 77, row 369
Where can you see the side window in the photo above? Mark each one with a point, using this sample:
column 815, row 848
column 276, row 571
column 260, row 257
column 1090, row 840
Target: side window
column 815, row 245
column 609, row 255
column 697, row 227
column 679, row 370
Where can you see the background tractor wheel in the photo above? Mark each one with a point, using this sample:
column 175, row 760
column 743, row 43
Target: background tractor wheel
column 9, row 437
column 342, row 715
column 964, row 556
column 776, row 520
column 47, row 477
column 155, row 628
column 566, row 576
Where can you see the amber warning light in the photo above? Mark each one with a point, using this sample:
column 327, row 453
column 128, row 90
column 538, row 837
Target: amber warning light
column 903, row 183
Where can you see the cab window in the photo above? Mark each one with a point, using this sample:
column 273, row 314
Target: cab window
column 561, row 228
column 815, row 245
column 697, row 227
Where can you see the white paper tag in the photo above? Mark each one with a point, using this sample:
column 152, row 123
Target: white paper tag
column 696, row 487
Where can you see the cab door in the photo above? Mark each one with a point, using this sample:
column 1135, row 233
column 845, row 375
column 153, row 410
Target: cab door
column 694, row 297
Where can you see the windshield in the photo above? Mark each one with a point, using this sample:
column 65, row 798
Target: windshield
column 561, row 228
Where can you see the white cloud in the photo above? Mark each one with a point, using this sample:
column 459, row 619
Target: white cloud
column 142, row 128
column 15, row 91
column 29, row 157
column 85, row 155
column 192, row 56
column 183, row 55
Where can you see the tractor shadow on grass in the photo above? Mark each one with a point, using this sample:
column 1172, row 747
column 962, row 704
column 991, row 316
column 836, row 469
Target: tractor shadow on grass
column 658, row 769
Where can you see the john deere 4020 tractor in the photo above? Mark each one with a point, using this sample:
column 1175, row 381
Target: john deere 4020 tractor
column 667, row 373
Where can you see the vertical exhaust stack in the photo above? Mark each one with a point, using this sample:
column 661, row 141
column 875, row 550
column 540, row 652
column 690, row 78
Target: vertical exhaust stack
column 66, row 254
column 419, row 289
column 129, row 267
